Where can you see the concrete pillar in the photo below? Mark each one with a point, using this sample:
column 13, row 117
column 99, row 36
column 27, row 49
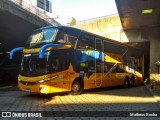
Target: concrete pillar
column 154, row 53
column 140, row 37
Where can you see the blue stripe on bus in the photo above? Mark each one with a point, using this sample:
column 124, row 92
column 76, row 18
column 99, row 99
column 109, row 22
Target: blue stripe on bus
column 81, row 74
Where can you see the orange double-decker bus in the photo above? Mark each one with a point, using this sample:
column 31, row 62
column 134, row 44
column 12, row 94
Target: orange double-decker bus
column 59, row 58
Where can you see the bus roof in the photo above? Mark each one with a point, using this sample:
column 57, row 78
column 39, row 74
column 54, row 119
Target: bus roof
column 70, row 30
column 76, row 32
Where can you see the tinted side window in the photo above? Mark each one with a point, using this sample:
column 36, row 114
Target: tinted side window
column 114, row 48
column 113, row 68
column 59, row 61
column 66, row 39
column 99, row 43
column 86, row 41
column 59, row 64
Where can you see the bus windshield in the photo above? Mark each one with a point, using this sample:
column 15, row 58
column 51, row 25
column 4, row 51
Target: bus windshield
column 33, row 66
column 41, row 37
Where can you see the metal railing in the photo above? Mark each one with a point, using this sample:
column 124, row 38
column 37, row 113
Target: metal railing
column 32, row 9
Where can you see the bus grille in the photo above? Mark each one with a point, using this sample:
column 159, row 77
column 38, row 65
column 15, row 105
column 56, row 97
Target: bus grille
column 28, row 83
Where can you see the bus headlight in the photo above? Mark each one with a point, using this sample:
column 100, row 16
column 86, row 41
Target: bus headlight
column 41, row 81
column 44, row 89
column 47, row 79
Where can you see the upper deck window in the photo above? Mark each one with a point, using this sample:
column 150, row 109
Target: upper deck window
column 86, row 41
column 42, row 36
column 65, row 38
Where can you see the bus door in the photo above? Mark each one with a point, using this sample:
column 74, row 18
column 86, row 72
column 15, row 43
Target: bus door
column 59, row 64
column 57, row 83
column 66, row 74
column 99, row 57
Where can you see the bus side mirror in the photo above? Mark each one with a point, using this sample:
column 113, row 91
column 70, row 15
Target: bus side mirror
column 14, row 50
column 44, row 47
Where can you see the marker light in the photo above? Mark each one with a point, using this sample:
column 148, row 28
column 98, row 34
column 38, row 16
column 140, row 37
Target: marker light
column 147, row 11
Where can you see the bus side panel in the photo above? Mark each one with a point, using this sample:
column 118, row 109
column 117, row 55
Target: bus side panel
column 112, row 79
column 89, row 81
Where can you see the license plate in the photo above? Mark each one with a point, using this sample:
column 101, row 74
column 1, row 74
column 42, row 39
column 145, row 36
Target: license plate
column 28, row 90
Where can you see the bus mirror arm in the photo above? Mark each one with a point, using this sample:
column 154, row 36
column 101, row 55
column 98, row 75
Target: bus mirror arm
column 44, row 47
column 14, row 50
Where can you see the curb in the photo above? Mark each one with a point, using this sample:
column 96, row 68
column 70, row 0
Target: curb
column 6, row 87
column 9, row 88
column 153, row 93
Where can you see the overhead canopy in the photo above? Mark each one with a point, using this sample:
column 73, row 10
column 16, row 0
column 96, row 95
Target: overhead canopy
column 135, row 14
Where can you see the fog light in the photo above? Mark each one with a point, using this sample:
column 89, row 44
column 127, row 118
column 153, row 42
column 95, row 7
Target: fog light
column 41, row 88
column 44, row 89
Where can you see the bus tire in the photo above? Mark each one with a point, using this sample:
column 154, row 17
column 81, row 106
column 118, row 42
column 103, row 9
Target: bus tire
column 77, row 87
column 126, row 82
column 132, row 81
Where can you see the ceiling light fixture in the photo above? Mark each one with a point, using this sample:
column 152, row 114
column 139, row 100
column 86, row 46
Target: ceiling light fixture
column 147, row 11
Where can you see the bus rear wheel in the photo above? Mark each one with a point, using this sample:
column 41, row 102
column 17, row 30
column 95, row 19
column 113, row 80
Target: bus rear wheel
column 132, row 81
column 77, row 87
column 126, row 82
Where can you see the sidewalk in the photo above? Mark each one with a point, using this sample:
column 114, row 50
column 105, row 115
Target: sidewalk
column 9, row 86
column 155, row 93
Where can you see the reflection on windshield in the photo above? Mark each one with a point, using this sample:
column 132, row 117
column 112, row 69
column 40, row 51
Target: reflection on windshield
column 36, row 37
column 33, row 66
column 41, row 37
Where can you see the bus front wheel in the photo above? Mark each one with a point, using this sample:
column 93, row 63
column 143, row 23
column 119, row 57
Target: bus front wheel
column 77, row 87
